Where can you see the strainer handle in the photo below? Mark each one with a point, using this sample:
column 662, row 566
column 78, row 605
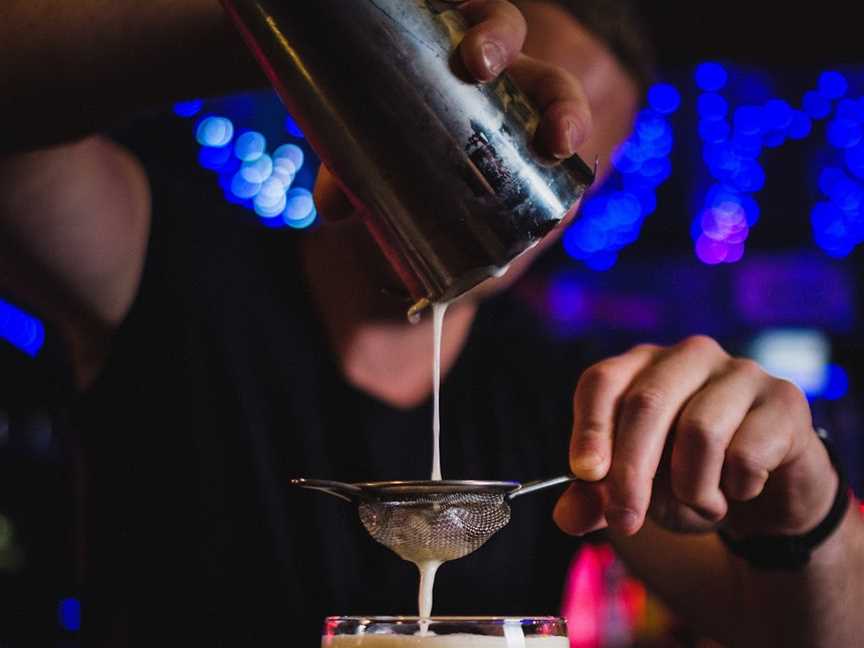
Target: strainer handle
column 347, row 492
column 540, row 484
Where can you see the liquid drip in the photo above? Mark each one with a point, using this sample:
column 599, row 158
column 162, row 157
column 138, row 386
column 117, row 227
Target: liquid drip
column 427, row 585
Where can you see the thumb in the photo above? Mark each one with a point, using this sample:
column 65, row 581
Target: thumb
column 580, row 509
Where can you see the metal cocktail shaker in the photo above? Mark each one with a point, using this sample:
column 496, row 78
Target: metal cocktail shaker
column 451, row 188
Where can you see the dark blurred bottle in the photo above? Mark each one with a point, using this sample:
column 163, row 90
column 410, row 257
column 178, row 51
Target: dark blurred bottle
column 444, row 169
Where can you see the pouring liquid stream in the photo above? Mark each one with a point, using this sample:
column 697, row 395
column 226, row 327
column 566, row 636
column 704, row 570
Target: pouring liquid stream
column 428, row 569
column 438, row 311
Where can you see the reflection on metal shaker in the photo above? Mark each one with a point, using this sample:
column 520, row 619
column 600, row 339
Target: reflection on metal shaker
column 450, row 186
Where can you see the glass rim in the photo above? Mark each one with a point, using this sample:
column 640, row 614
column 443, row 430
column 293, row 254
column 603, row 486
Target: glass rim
column 496, row 620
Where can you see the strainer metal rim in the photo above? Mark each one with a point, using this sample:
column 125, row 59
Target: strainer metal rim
column 438, row 487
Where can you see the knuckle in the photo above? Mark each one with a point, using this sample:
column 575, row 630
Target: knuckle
column 700, row 434
column 597, row 377
column 786, row 394
column 701, row 344
column 645, row 348
column 644, row 400
column 747, row 367
column 746, row 465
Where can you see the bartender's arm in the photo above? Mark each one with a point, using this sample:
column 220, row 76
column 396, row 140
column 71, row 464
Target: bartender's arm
column 674, row 442
column 68, row 69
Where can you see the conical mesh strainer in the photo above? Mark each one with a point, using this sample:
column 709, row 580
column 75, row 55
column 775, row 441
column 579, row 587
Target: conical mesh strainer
column 431, row 520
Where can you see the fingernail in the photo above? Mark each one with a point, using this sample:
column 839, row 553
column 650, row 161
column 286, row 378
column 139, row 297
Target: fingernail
column 587, row 465
column 493, row 57
column 575, row 135
column 622, row 519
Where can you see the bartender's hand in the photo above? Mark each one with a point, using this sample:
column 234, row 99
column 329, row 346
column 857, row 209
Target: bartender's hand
column 693, row 437
column 492, row 45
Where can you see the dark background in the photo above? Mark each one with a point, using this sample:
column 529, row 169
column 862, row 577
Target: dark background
column 656, row 290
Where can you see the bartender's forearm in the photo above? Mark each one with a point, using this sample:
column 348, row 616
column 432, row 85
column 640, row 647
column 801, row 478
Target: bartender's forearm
column 70, row 68
column 819, row 606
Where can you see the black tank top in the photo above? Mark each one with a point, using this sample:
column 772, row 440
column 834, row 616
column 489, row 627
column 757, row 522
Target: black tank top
column 221, row 387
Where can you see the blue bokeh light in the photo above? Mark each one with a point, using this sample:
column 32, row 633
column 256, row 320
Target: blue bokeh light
column 602, row 261
column 20, row 329
column 711, row 76
column 257, row 170
column 69, row 614
column 773, row 139
column 749, row 120
column 188, row 108
column 242, row 188
column 837, row 384
column 284, row 170
column 854, row 158
column 844, row 133
column 290, row 152
column 816, row 105
column 215, row 131
column 777, row 114
column 852, row 109
column 714, row 131
column 711, row 105
column 832, row 85
column 270, row 201
column 214, row 157
column 749, row 177
column 250, row 146
column 612, row 219
column 801, row 125
column 722, row 224
column 838, row 223
column 711, row 252
column 247, row 176
column 300, row 209
column 664, row 98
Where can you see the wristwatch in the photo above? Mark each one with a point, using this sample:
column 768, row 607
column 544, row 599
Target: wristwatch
column 792, row 552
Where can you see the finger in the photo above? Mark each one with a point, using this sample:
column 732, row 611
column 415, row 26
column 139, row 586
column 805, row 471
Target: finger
column 645, row 417
column 671, row 514
column 495, row 38
column 595, row 401
column 704, row 431
column 580, row 509
column 565, row 112
column 762, row 443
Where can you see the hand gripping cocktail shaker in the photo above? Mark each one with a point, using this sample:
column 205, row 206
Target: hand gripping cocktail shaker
column 443, row 168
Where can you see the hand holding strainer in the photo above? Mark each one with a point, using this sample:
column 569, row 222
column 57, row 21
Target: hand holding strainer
column 432, row 520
